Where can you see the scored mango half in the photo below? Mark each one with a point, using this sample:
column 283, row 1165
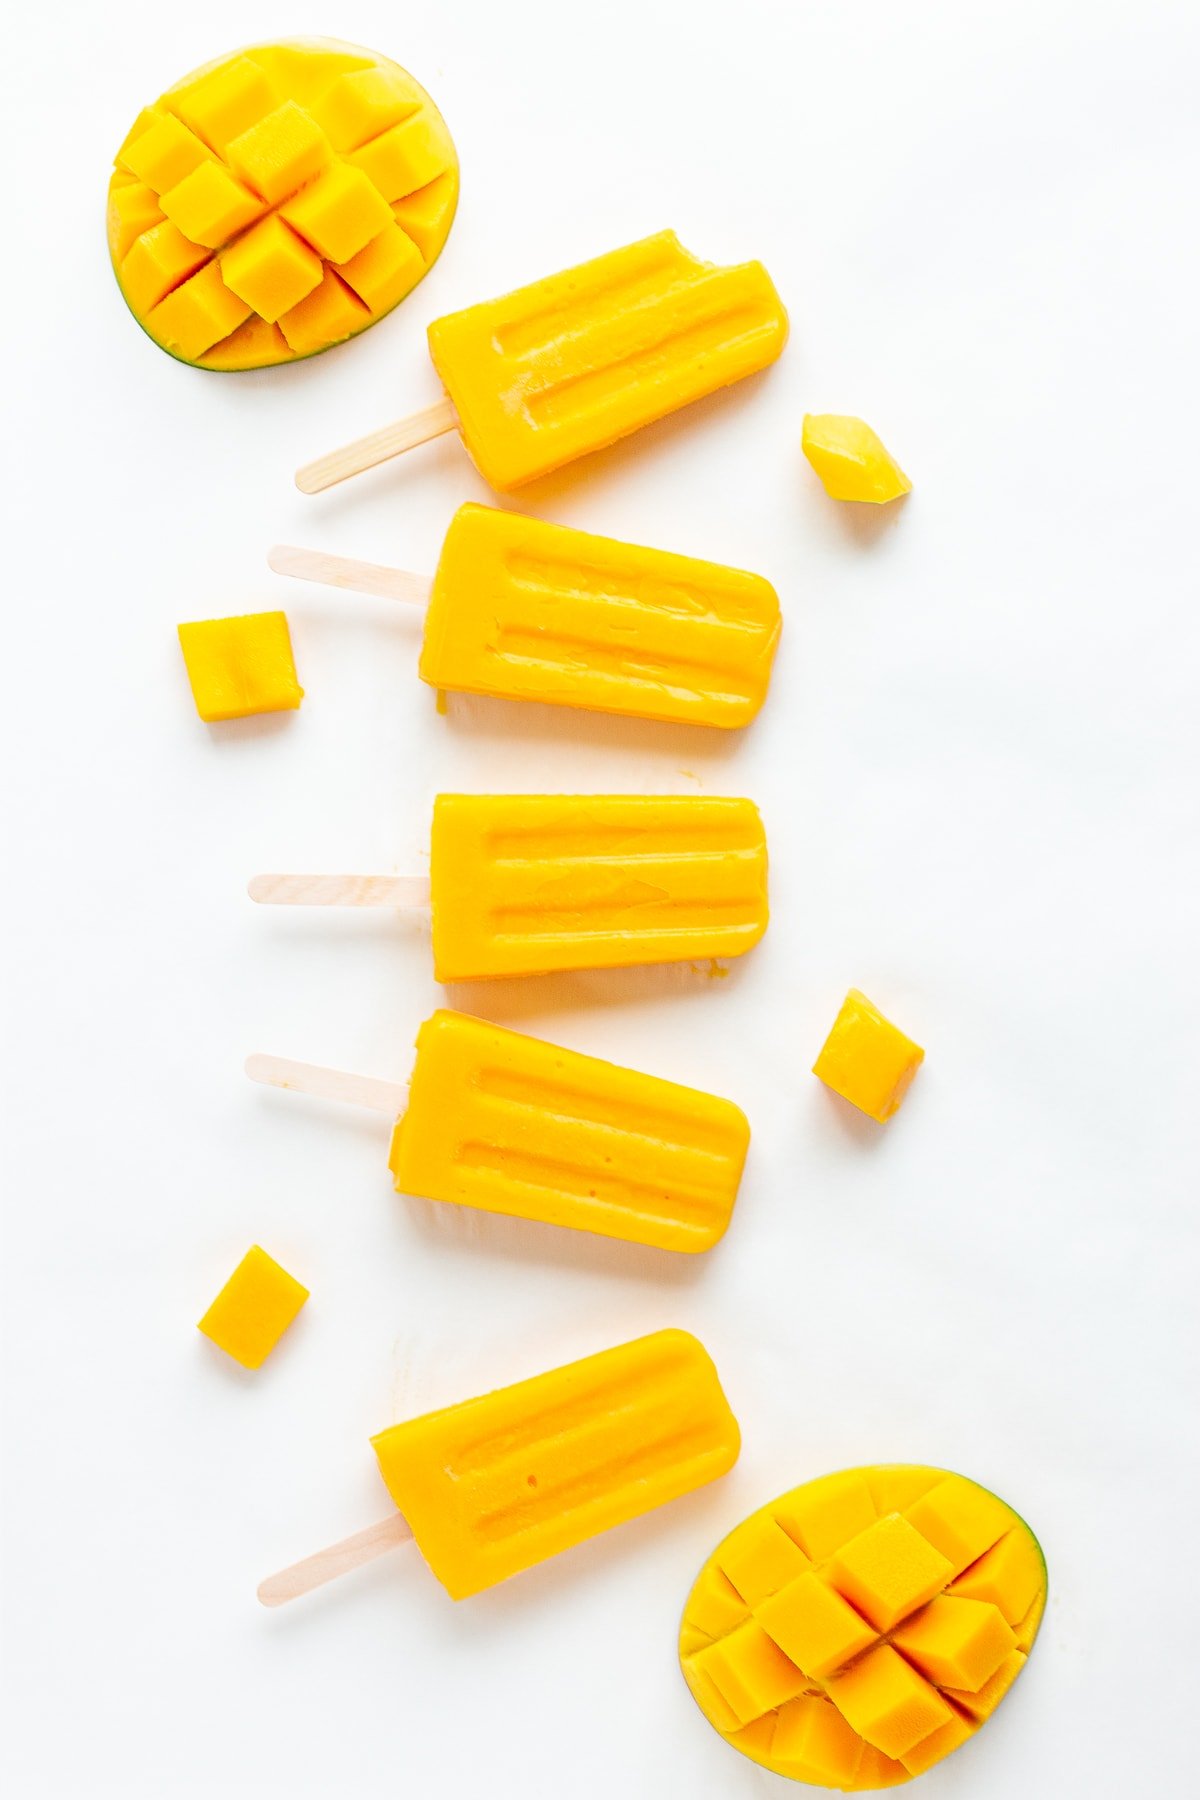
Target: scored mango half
column 858, row 1629
column 278, row 201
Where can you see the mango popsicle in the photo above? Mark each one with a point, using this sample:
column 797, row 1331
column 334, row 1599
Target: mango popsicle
column 524, row 610
column 528, row 884
column 572, row 363
column 507, row 1124
column 496, row 1485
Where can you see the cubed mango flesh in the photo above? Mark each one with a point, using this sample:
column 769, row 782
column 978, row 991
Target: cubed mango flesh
column 868, row 1060
column 240, row 666
column 282, row 166
column 870, row 1665
column 253, row 1309
column 851, row 461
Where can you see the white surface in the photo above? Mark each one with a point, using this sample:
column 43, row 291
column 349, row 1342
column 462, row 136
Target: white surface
column 978, row 769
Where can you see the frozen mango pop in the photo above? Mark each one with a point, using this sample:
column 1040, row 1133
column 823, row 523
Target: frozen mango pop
column 508, row 1124
column 533, row 884
column 529, row 611
column 574, row 362
column 495, row 1485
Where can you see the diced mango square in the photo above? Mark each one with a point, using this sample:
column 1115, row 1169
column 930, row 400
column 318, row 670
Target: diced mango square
column 240, row 666
column 148, row 116
column 280, row 152
column 961, row 1519
column 888, row 1571
column 750, row 1672
column 338, row 213
column 813, row 1742
column 867, row 1060
column 895, row 1487
column 132, row 209
column 210, row 205
column 331, row 312
column 939, row 1743
column 760, row 1558
column 253, row 1309
column 222, row 105
column 270, row 268
column 956, row 1643
column 422, row 214
column 825, row 1514
column 879, row 1771
column 362, row 103
column 982, row 1704
column 165, row 153
column 715, row 1606
column 850, row 460
column 887, row 1702
column 157, row 262
column 1010, row 1575
column 196, row 315
column 385, row 269
column 814, row 1626
column 407, row 157
column 708, row 1694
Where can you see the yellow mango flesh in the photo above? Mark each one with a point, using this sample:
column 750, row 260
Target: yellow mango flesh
column 860, row 1628
column 279, row 201
column 253, row 1309
column 851, row 461
column 240, row 666
column 868, row 1060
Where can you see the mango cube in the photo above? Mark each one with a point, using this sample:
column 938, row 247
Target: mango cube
column 240, row 666
column 939, row 1743
column 132, row 209
column 813, row 1742
column 715, row 1606
column 223, row 104
column 280, row 152
column 813, row 1625
column 751, row 1673
column 209, row 205
column 851, row 461
column 384, row 270
column 956, row 1643
column 420, row 214
column 983, row 1703
column 338, row 213
column 270, row 269
column 253, row 1309
column 887, row 1572
column 760, row 1558
column 887, row 1702
column 868, row 1060
column 960, row 1519
column 165, row 153
column 1010, row 1575
column 331, row 312
column 158, row 261
column 407, row 157
column 824, row 1514
column 197, row 315
column 362, row 104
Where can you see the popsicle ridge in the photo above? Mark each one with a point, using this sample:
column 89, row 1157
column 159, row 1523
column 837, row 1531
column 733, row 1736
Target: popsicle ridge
column 581, row 359
column 546, row 1133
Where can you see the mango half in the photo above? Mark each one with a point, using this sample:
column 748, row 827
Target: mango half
column 858, row 1629
column 279, row 201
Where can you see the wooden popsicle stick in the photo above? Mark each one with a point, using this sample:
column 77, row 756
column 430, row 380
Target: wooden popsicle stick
column 368, row 452
column 328, row 1084
column 346, row 572
column 336, row 1559
column 407, row 891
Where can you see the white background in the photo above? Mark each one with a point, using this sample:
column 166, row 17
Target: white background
column 978, row 770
